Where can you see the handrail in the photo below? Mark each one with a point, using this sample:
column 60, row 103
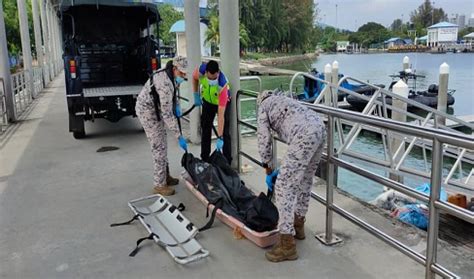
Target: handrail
column 438, row 136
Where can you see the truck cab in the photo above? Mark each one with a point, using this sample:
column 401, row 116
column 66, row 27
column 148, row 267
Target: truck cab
column 109, row 52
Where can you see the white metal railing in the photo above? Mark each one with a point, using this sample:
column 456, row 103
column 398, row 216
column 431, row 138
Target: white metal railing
column 377, row 105
column 21, row 92
column 38, row 83
column 437, row 137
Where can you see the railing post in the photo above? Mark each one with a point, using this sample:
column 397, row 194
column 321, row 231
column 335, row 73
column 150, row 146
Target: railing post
column 335, row 81
column 401, row 89
column 327, row 91
column 443, row 92
column 433, row 226
column 328, row 238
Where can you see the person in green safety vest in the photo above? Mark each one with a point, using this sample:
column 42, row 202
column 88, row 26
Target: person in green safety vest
column 211, row 91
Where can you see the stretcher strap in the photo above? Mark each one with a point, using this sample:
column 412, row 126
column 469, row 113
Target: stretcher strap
column 135, row 251
column 126, row 223
column 217, row 205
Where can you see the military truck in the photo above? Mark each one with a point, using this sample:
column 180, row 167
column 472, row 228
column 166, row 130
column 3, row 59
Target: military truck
column 109, row 52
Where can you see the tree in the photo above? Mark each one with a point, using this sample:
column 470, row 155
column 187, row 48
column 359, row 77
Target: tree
column 396, row 25
column 212, row 36
column 370, row 33
column 168, row 17
column 427, row 15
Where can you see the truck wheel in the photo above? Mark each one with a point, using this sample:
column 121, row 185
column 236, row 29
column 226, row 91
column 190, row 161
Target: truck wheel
column 79, row 135
column 76, row 126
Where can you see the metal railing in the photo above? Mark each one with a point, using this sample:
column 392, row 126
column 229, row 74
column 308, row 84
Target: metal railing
column 38, row 83
column 395, row 158
column 3, row 107
column 21, row 92
column 334, row 160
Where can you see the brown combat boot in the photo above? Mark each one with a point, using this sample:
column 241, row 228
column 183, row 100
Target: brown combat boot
column 299, row 227
column 170, row 181
column 284, row 250
column 163, row 190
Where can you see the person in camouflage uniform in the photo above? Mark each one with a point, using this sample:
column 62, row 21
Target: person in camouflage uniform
column 165, row 82
column 304, row 132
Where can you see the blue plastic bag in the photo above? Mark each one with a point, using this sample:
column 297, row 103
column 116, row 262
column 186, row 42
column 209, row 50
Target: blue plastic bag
column 426, row 189
column 413, row 214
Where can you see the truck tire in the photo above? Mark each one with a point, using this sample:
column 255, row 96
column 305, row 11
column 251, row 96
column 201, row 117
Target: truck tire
column 76, row 126
column 79, row 135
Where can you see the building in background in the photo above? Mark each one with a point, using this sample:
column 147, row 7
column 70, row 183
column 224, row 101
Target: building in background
column 441, row 34
column 179, row 29
column 470, row 22
column 461, row 21
column 341, row 46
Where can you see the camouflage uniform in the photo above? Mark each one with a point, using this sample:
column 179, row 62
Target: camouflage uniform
column 154, row 128
column 304, row 132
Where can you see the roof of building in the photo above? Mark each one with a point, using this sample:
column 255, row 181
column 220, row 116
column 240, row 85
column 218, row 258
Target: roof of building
column 424, row 38
column 443, row 24
column 179, row 26
column 469, row 36
column 391, row 40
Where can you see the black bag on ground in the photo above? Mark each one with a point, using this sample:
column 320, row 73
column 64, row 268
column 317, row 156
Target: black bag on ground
column 221, row 185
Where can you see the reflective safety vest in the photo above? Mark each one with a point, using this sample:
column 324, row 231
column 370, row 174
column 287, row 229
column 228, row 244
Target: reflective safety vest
column 210, row 93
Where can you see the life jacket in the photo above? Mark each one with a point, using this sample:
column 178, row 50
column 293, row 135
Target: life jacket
column 210, row 93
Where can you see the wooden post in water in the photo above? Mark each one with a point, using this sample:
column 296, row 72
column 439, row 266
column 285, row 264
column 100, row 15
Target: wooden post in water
column 401, row 89
column 443, row 92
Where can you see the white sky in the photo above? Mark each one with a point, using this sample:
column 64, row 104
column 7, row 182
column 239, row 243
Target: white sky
column 353, row 13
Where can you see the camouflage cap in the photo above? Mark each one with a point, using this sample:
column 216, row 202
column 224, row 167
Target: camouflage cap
column 181, row 63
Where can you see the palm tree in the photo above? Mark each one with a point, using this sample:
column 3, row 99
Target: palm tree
column 212, row 34
column 213, row 37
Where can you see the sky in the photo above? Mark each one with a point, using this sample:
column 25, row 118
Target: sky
column 351, row 14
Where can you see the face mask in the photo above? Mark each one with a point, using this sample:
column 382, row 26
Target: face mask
column 212, row 82
column 179, row 80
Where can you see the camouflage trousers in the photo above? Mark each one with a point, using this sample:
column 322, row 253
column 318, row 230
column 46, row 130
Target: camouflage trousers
column 156, row 135
column 295, row 179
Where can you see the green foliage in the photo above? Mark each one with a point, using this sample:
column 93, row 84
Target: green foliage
column 427, row 15
column 278, row 25
column 12, row 26
column 168, row 17
column 369, row 34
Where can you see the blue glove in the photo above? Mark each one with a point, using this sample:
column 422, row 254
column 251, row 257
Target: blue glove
column 178, row 111
column 197, row 99
column 219, row 144
column 271, row 179
column 182, row 143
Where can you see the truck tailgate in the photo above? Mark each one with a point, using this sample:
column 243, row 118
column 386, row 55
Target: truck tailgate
column 112, row 91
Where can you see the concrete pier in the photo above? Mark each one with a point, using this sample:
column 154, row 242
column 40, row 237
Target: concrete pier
column 58, row 197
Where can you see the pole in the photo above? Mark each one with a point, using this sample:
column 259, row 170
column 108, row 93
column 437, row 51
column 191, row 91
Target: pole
column 327, row 90
column 25, row 46
column 401, row 89
column 193, row 50
column 443, row 92
column 229, row 33
column 47, row 55
column 335, row 81
column 38, row 39
column 5, row 69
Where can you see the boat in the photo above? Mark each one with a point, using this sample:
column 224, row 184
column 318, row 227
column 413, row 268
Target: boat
column 312, row 88
column 428, row 97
